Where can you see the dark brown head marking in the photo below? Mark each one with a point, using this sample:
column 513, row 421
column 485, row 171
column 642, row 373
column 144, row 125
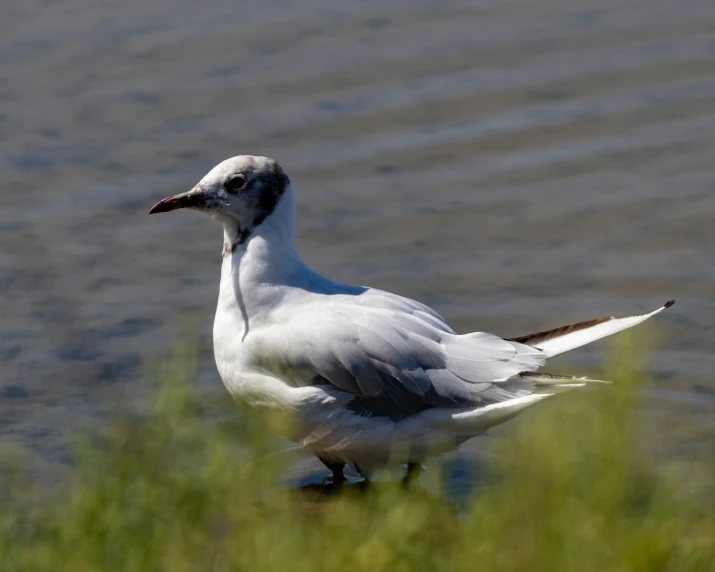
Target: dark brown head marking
column 266, row 186
column 241, row 192
column 274, row 182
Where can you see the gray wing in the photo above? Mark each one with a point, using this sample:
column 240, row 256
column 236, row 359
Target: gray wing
column 395, row 356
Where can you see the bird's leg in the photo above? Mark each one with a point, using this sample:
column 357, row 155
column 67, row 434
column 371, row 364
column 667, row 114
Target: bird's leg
column 413, row 473
column 337, row 469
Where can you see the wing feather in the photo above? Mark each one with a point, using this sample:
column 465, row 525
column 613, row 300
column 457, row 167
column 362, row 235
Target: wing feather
column 394, row 359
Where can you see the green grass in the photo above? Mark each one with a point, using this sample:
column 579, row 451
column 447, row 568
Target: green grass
column 173, row 489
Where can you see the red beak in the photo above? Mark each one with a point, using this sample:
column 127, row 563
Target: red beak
column 192, row 198
column 166, row 205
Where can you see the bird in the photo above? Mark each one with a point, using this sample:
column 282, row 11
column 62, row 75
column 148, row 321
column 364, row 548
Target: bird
column 368, row 378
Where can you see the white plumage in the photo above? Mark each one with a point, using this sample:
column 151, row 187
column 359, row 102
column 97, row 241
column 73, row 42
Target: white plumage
column 370, row 377
column 578, row 338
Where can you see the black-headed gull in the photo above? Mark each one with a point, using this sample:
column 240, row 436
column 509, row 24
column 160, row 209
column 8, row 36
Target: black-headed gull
column 371, row 378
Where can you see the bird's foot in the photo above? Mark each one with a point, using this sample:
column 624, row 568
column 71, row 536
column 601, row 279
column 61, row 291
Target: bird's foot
column 413, row 473
column 338, row 477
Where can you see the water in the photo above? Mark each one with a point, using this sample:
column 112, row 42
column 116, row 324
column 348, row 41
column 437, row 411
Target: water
column 517, row 165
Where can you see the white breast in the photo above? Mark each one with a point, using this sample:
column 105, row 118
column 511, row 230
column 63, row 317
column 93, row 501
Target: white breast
column 229, row 328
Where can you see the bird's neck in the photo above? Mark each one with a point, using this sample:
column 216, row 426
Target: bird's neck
column 254, row 267
column 267, row 254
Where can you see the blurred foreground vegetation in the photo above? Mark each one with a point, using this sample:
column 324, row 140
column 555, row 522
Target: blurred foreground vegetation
column 174, row 489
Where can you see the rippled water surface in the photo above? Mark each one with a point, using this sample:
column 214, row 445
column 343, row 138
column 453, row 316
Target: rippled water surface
column 515, row 164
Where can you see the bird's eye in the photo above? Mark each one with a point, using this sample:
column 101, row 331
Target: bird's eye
column 235, row 183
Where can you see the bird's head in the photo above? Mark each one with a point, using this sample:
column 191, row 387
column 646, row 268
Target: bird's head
column 242, row 190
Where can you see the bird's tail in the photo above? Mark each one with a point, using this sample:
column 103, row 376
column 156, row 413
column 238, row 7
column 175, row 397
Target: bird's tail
column 441, row 429
column 543, row 385
column 551, row 383
column 474, row 421
column 566, row 338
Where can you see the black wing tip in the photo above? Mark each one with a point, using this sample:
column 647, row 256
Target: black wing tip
column 668, row 304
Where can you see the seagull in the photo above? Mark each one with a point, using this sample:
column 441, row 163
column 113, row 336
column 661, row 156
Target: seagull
column 369, row 378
